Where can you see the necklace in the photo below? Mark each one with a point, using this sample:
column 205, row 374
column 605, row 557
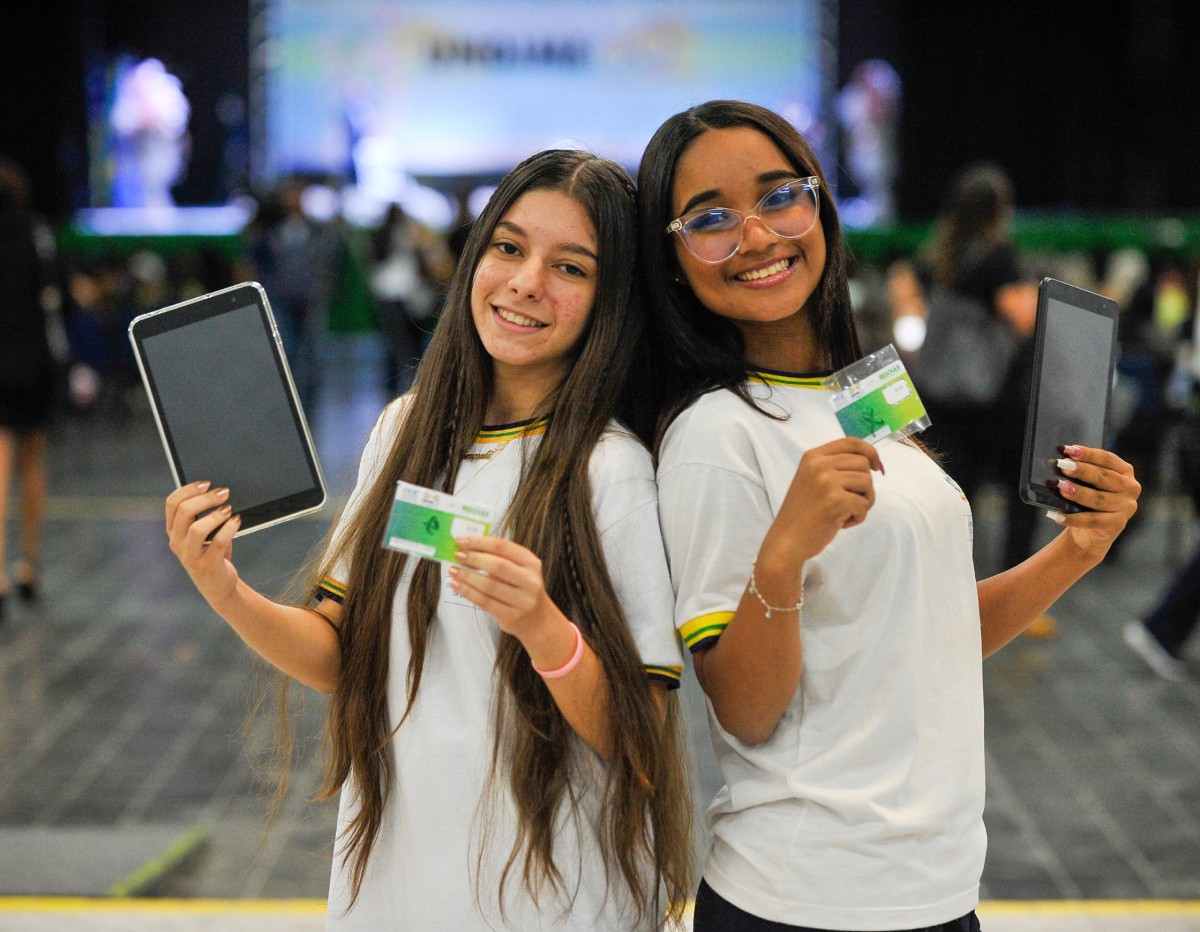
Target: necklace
column 522, row 430
column 490, row 453
column 487, row 461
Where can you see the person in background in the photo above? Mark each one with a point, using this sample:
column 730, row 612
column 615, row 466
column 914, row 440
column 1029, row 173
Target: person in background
column 972, row 255
column 407, row 264
column 971, row 262
column 294, row 257
column 32, row 354
column 1150, row 331
column 825, row 586
column 1161, row 636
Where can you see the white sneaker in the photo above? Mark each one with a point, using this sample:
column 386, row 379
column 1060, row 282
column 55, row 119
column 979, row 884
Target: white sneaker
column 1147, row 646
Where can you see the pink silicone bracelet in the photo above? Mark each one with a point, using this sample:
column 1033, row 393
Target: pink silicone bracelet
column 570, row 665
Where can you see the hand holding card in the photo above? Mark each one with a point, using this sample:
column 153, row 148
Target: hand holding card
column 425, row 522
column 875, row 398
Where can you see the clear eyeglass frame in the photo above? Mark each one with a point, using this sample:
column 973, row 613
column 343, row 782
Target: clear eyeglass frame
column 679, row 224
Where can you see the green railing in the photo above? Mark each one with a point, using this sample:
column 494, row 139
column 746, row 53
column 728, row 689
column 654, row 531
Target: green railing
column 75, row 243
column 1055, row 233
column 1047, row 233
column 1040, row 233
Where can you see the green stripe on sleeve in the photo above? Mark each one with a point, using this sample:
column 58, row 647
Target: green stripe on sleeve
column 704, row 627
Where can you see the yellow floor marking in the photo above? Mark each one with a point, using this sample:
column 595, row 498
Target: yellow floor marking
column 71, row 904
column 1093, row 907
column 82, row 904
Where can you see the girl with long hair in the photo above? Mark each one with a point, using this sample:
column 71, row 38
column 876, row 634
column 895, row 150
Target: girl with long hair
column 825, row 586
column 977, row 286
column 501, row 732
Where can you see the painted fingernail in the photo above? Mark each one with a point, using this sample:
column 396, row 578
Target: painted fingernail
column 1056, row 516
column 226, row 509
column 1065, row 465
column 453, row 571
column 1066, row 487
column 460, row 556
column 222, row 493
column 203, row 486
column 1073, row 450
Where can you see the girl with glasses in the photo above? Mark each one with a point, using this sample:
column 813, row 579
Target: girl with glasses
column 824, row 585
column 500, row 728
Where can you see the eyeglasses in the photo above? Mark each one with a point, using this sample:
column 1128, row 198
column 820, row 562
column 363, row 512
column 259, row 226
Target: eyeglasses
column 713, row 234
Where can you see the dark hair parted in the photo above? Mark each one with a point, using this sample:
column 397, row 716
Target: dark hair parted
column 644, row 803
column 698, row 349
column 974, row 215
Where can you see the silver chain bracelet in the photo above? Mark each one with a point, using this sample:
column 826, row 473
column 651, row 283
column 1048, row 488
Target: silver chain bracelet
column 765, row 604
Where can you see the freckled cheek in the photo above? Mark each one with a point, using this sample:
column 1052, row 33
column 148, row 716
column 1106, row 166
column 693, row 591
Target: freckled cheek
column 572, row 310
column 483, row 284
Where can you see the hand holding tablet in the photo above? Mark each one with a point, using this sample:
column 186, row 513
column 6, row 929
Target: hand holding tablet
column 1075, row 353
column 201, row 527
column 226, row 406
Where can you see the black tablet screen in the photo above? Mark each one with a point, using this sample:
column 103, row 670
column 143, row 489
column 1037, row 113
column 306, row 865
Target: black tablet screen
column 1073, row 386
column 226, row 407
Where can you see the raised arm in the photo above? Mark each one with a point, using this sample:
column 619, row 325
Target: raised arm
column 301, row 642
column 1010, row 601
column 505, row 580
column 753, row 670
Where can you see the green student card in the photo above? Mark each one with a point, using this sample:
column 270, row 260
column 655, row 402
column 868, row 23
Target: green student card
column 424, row 522
column 875, row 398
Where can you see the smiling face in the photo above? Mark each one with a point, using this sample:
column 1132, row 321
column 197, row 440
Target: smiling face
column 764, row 286
column 532, row 293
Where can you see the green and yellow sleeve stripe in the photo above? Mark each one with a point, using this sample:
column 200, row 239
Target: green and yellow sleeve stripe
column 329, row 588
column 703, row 630
column 668, row 675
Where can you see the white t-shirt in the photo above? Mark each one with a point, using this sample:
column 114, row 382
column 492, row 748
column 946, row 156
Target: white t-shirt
column 864, row 810
column 420, row 874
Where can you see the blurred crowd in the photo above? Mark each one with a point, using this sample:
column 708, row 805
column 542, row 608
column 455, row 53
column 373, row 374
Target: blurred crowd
column 977, row 391
column 962, row 310
column 387, row 274
column 323, row 272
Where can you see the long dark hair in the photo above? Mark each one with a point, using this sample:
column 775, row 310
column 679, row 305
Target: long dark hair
column 974, row 216
column 644, row 804
column 698, row 350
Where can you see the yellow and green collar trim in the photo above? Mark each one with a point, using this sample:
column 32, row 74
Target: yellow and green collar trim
column 767, row 377
column 703, row 630
column 504, row 432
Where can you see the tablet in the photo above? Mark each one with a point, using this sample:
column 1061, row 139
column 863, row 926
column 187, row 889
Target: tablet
column 1075, row 352
column 226, row 406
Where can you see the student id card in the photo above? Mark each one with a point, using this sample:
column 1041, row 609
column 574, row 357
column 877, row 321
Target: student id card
column 875, row 398
column 425, row 522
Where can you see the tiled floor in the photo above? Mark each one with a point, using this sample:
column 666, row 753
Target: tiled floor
column 123, row 766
